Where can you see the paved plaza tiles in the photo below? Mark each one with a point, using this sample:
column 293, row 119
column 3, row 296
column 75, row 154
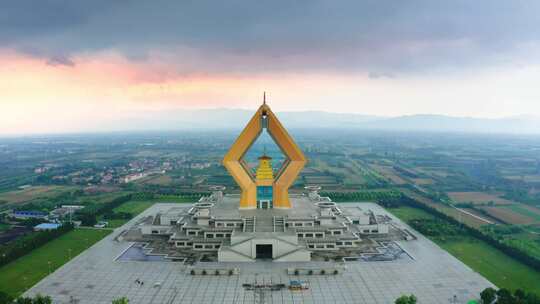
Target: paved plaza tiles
column 95, row 276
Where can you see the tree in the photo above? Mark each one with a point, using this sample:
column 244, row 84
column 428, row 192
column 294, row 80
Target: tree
column 488, row 295
column 520, row 294
column 39, row 299
column 5, row 298
column 122, row 300
column 504, row 296
column 23, row 300
column 406, row 299
column 88, row 219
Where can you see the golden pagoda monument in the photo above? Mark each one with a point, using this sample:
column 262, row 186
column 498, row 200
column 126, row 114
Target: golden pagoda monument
column 265, row 172
column 264, row 190
column 264, row 178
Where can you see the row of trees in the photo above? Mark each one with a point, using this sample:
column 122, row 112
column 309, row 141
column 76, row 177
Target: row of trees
column 38, row 299
column 490, row 296
column 382, row 196
column 88, row 215
column 23, row 245
column 436, row 229
column 504, row 296
column 147, row 195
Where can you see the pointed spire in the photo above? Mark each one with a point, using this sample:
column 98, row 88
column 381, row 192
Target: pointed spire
column 264, row 97
column 264, row 156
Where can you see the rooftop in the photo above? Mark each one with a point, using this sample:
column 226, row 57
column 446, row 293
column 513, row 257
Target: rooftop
column 46, row 226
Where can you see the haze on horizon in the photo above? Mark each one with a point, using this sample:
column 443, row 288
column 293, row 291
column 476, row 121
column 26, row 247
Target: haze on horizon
column 69, row 66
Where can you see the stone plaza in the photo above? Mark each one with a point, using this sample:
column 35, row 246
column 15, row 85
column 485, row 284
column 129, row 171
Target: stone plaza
column 99, row 276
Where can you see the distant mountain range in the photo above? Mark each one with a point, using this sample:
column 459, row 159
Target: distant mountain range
column 236, row 119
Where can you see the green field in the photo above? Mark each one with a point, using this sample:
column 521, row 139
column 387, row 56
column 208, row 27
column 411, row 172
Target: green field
column 174, row 199
column 26, row 271
column 133, row 207
column 102, row 197
column 408, row 213
column 34, row 192
column 494, row 265
column 136, row 207
column 4, row 227
column 483, row 258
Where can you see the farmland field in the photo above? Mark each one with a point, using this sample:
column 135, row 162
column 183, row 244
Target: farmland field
column 497, row 267
column 28, row 194
column 436, row 172
column 526, row 211
column 330, row 172
column 320, row 180
column 27, row 270
column 525, row 178
column 160, row 179
column 478, row 197
column 508, row 215
column 389, row 173
column 453, row 212
column 423, row 181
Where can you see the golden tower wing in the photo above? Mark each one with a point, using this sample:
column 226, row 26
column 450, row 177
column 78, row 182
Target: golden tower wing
column 286, row 176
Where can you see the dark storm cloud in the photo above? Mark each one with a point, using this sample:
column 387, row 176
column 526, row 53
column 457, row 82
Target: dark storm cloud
column 377, row 36
column 60, row 60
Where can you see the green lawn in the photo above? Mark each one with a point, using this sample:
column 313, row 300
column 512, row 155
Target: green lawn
column 136, row 207
column 491, row 263
column 174, row 199
column 26, row 271
column 133, row 207
column 485, row 259
column 113, row 223
column 408, row 213
column 4, row 226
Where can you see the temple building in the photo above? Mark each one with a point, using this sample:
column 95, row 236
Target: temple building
column 265, row 221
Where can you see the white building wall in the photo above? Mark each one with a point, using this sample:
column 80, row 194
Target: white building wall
column 383, row 228
column 150, row 228
column 279, row 247
column 225, row 255
column 296, row 256
column 166, row 220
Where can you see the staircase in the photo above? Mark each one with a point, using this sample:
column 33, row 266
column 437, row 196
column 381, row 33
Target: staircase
column 279, row 224
column 249, row 224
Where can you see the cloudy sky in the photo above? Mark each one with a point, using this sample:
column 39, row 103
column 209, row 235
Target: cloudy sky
column 73, row 65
